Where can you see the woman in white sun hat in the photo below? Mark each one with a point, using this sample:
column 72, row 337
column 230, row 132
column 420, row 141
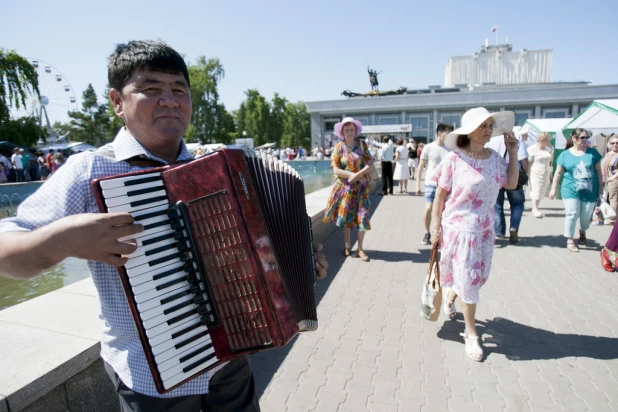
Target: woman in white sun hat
column 469, row 179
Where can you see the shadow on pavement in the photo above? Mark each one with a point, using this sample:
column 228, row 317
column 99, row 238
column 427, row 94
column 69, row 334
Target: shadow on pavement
column 266, row 364
column 521, row 342
column 546, row 240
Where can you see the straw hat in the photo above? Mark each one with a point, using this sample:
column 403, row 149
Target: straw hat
column 473, row 118
column 339, row 126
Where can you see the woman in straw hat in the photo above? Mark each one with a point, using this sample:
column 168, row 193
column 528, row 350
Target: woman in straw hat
column 348, row 205
column 469, row 179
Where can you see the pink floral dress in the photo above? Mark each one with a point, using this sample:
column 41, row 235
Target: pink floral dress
column 468, row 220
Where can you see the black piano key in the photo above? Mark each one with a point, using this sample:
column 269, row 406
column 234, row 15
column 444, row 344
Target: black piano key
column 172, row 283
column 160, row 249
column 178, row 307
column 185, row 330
column 146, row 201
column 191, row 339
column 157, row 239
column 149, row 215
column 174, row 297
column 166, row 273
column 181, row 317
column 198, row 363
column 143, row 191
column 195, row 353
column 163, row 259
column 143, row 180
column 156, row 224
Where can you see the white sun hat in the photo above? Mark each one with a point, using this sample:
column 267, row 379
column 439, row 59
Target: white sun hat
column 473, row 118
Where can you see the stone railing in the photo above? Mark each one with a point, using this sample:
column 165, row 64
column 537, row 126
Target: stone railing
column 49, row 346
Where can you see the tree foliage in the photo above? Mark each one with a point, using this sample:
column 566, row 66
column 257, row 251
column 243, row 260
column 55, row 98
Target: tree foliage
column 210, row 121
column 92, row 124
column 296, row 126
column 24, row 131
column 281, row 122
column 18, row 80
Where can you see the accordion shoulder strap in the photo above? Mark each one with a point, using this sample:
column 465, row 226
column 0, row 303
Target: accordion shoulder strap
column 133, row 161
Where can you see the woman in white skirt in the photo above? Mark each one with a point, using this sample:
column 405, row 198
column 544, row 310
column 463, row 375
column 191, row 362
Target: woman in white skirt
column 540, row 157
column 412, row 157
column 402, row 173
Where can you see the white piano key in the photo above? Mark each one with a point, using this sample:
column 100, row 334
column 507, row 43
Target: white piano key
column 128, row 208
column 160, row 309
column 122, row 200
column 145, row 291
column 139, row 213
column 144, row 297
column 141, row 249
column 112, row 183
column 150, row 304
column 140, row 260
column 148, row 276
column 164, row 328
column 158, row 340
column 146, row 232
column 123, row 190
column 157, row 320
column 167, row 349
column 167, row 360
column 176, row 379
column 140, row 270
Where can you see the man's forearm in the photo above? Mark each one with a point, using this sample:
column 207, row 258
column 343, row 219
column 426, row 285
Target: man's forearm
column 26, row 254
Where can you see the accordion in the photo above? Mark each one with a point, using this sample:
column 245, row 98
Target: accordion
column 224, row 266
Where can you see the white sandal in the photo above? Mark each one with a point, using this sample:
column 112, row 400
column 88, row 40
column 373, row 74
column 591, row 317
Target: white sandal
column 474, row 350
column 448, row 307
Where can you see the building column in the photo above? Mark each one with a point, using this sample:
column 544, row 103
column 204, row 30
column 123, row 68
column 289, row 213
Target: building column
column 574, row 110
column 502, row 109
column 537, row 112
column 317, row 134
column 403, row 117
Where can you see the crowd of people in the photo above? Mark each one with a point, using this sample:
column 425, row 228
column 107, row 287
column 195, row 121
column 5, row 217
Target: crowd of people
column 29, row 166
column 468, row 174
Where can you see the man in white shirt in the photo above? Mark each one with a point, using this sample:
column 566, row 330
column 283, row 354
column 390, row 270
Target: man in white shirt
column 431, row 156
column 386, row 160
column 17, row 165
column 516, row 196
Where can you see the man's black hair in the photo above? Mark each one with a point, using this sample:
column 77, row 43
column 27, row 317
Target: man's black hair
column 143, row 55
column 444, row 127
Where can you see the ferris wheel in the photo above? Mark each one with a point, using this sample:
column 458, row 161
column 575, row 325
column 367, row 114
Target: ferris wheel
column 56, row 99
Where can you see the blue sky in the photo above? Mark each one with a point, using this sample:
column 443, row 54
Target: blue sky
column 313, row 50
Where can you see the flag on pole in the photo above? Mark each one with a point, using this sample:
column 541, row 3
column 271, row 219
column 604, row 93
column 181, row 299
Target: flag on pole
column 494, row 29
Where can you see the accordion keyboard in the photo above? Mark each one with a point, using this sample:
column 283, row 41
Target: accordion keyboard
column 167, row 280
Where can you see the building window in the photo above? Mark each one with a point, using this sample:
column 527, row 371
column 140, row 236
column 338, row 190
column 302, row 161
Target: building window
column 329, row 124
column 388, row 120
column 455, row 120
column 520, row 118
column 419, row 122
column 363, row 119
column 555, row 115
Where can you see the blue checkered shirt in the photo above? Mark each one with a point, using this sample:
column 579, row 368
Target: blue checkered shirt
column 68, row 192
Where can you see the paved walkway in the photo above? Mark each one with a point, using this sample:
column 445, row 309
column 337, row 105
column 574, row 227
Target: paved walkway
column 549, row 319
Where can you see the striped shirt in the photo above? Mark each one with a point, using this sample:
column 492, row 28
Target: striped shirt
column 69, row 192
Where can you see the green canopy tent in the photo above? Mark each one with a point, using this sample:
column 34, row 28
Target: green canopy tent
column 600, row 116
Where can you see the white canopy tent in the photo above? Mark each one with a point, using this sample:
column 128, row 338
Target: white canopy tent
column 600, row 116
column 534, row 127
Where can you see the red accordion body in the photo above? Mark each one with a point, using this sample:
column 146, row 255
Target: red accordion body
column 225, row 264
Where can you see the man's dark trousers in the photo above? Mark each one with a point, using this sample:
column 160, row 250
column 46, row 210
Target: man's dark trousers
column 387, row 177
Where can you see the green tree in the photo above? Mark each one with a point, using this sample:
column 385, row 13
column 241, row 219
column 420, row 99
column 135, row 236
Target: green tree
column 277, row 116
column 296, row 126
column 210, row 121
column 18, row 80
column 91, row 124
column 256, row 117
column 25, row 131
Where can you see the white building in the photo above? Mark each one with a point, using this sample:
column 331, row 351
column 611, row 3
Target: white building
column 499, row 65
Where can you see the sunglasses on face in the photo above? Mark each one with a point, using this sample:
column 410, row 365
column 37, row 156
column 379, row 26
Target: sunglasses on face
column 581, row 137
column 613, row 142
